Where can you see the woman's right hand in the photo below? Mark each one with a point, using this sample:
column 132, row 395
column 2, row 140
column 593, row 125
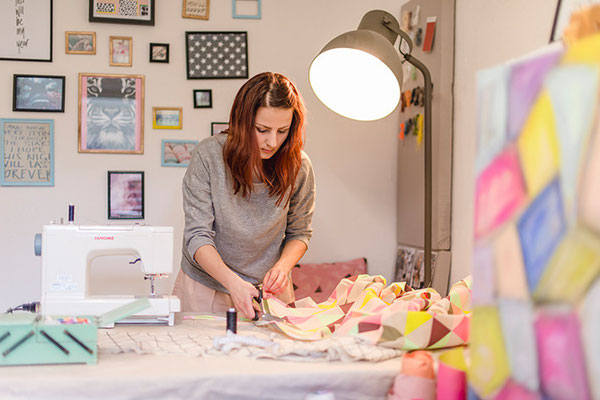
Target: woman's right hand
column 242, row 293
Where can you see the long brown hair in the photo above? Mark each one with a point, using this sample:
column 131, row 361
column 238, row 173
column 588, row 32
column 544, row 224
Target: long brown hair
column 241, row 153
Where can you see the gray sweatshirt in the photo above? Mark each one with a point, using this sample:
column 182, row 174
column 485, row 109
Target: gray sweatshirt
column 249, row 233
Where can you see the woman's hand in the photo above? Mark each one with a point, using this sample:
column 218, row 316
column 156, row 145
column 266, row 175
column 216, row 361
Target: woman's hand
column 276, row 280
column 241, row 293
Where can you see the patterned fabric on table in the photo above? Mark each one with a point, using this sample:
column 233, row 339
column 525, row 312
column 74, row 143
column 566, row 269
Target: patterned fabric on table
column 319, row 280
column 393, row 316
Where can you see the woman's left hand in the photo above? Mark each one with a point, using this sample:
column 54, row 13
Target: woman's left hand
column 276, row 280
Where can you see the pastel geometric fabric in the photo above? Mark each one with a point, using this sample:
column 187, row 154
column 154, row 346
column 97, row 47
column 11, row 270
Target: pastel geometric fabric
column 539, row 236
column 392, row 316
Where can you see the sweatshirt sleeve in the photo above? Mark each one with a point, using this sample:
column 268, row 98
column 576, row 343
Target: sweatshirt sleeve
column 302, row 204
column 197, row 205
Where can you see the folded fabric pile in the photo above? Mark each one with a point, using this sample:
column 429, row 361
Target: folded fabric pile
column 392, row 316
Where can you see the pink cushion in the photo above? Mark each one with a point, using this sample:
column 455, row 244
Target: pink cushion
column 319, row 280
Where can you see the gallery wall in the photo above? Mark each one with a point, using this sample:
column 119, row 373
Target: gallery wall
column 355, row 162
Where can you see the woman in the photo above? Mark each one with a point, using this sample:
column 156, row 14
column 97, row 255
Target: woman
column 248, row 198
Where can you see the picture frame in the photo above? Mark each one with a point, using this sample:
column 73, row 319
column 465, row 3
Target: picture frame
column 167, row 117
column 40, row 93
column 159, row 52
column 138, row 12
column 206, row 52
column 111, row 113
column 218, row 127
column 80, row 42
column 176, row 153
column 121, row 51
column 26, row 30
column 202, row 98
column 126, row 194
column 564, row 9
column 26, row 152
column 246, row 9
column 197, row 9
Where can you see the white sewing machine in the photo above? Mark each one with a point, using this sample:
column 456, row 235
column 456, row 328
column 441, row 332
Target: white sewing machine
column 68, row 250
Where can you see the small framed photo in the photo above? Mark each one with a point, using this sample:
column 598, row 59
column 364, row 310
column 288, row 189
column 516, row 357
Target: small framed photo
column 167, row 117
column 39, row 93
column 177, row 153
column 111, row 113
column 125, row 194
column 197, row 9
column 202, row 98
column 120, row 51
column 159, row 52
column 247, row 9
column 139, row 12
column 80, row 43
column 218, row 127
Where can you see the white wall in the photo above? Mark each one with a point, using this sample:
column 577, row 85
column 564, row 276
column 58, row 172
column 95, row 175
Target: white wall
column 488, row 32
column 355, row 162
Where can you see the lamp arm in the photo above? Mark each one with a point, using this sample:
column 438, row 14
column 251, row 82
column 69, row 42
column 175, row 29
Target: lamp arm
column 428, row 165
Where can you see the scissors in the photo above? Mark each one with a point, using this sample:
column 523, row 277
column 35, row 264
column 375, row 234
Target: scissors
column 263, row 315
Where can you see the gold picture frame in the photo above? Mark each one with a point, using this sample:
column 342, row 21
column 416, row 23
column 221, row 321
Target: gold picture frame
column 197, row 9
column 80, row 42
column 120, row 51
column 167, row 117
column 111, row 113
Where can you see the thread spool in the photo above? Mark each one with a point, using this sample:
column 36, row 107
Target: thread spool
column 232, row 320
column 71, row 213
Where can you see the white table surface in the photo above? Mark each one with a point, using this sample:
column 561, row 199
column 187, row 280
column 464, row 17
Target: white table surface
column 178, row 376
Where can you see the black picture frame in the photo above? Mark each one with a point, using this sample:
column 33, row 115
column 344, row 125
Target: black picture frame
column 200, row 100
column 38, row 93
column 158, row 57
column 218, row 127
column 230, row 62
column 564, row 9
column 109, row 14
column 28, row 32
column 126, row 194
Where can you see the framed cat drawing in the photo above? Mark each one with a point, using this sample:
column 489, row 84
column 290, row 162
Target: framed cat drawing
column 111, row 113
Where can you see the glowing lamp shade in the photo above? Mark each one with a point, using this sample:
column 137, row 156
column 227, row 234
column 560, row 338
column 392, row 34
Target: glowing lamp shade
column 354, row 84
column 358, row 73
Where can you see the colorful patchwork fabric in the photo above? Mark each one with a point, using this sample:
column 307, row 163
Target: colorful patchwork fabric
column 537, row 226
column 393, row 316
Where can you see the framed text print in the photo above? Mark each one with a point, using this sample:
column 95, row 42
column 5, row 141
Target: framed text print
column 26, row 30
column 139, row 12
column 111, row 113
column 27, row 152
column 217, row 55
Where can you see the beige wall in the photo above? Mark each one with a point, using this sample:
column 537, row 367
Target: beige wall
column 488, row 32
column 355, row 162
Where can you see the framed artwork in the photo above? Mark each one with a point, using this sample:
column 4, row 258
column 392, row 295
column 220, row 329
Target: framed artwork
column 176, row 153
column 564, row 9
column 202, row 98
column 111, row 113
column 27, row 152
column 125, row 194
column 26, row 30
column 248, row 9
column 80, row 42
column 44, row 93
column 218, row 127
column 216, row 55
column 140, row 12
column 197, row 9
column 120, row 51
column 159, row 52
column 167, row 117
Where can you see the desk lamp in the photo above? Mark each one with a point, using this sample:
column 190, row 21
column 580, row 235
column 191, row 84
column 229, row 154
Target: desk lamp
column 358, row 75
